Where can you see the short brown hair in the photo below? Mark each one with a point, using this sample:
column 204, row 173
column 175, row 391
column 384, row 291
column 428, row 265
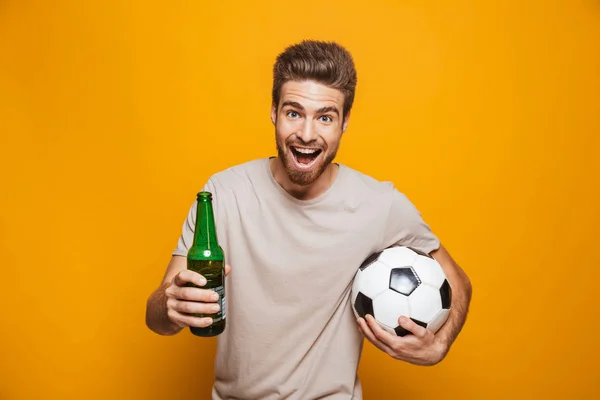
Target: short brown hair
column 325, row 62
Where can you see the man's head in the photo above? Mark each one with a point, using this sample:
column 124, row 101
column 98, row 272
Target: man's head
column 313, row 92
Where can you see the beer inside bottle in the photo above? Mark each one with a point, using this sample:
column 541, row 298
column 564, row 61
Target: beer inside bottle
column 207, row 258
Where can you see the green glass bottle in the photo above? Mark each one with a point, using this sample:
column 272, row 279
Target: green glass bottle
column 207, row 258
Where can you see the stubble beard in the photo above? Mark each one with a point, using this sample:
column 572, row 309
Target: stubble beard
column 304, row 178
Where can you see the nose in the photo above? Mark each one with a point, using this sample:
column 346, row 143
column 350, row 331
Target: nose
column 308, row 133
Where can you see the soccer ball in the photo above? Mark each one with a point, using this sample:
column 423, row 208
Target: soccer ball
column 402, row 281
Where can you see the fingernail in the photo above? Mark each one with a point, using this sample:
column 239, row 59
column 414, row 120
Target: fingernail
column 202, row 281
column 207, row 321
column 215, row 296
column 215, row 307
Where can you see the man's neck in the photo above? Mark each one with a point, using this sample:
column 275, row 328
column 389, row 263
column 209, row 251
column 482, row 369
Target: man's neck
column 300, row 192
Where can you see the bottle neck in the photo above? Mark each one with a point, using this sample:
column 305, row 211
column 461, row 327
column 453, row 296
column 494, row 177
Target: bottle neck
column 205, row 235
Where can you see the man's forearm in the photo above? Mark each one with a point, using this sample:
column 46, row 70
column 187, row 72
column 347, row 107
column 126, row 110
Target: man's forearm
column 156, row 313
column 461, row 298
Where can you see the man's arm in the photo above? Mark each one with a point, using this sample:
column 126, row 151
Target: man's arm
column 461, row 296
column 157, row 318
column 423, row 347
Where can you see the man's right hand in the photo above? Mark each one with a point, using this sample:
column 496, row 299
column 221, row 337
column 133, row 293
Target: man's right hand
column 170, row 307
column 183, row 301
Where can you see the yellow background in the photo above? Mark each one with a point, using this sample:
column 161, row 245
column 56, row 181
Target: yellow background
column 113, row 114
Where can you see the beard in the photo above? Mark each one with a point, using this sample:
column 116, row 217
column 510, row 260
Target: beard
column 299, row 177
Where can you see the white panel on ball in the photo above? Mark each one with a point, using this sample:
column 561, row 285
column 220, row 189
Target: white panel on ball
column 425, row 302
column 374, row 279
column 397, row 257
column 390, row 305
column 429, row 271
column 388, row 329
column 438, row 321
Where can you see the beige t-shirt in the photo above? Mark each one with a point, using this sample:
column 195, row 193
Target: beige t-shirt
column 291, row 333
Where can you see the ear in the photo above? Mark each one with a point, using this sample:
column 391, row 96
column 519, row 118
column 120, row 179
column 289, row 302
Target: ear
column 273, row 113
column 346, row 121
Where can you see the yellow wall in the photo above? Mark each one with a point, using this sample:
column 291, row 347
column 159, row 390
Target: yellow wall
column 486, row 114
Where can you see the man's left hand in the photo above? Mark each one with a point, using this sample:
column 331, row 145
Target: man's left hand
column 421, row 347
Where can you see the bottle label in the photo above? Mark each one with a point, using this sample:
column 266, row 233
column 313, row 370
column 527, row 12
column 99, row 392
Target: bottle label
column 222, row 302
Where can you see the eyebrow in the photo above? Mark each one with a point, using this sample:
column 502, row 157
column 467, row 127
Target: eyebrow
column 321, row 110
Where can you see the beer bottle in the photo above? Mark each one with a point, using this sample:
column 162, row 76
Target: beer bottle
column 207, row 258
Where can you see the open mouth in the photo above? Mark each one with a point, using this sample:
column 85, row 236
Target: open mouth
column 305, row 157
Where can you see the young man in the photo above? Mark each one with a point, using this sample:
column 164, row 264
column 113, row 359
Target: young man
column 295, row 229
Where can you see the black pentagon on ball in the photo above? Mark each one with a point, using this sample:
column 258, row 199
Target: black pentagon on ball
column 370, row 260
column 363, row 305
column 446, row 295
column 400, row 331
column 404, row 280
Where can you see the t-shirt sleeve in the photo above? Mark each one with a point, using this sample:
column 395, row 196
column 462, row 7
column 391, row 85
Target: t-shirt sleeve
column 405, row 226
column 187, row 231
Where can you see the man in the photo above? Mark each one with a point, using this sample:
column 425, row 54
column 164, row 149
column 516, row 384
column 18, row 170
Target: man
column 295, row 229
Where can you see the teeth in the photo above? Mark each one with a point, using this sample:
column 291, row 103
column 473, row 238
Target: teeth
column 305, row 151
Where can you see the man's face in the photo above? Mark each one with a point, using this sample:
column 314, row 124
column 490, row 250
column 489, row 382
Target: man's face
column 308, row 128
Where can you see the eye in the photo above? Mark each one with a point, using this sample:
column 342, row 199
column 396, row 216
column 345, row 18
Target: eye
column 326, row 118
column 292, row 114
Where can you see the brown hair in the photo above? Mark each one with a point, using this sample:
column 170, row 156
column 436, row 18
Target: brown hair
column 325, row 62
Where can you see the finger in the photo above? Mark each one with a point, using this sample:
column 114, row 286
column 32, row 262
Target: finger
column 193, row 307
column 187, row 276
column 364, row 328
column 183, row 320
column 191, row 294
column 412, row 326
column 198, row 322
column 227, row 269
column 381, row 334
column 368, row 332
